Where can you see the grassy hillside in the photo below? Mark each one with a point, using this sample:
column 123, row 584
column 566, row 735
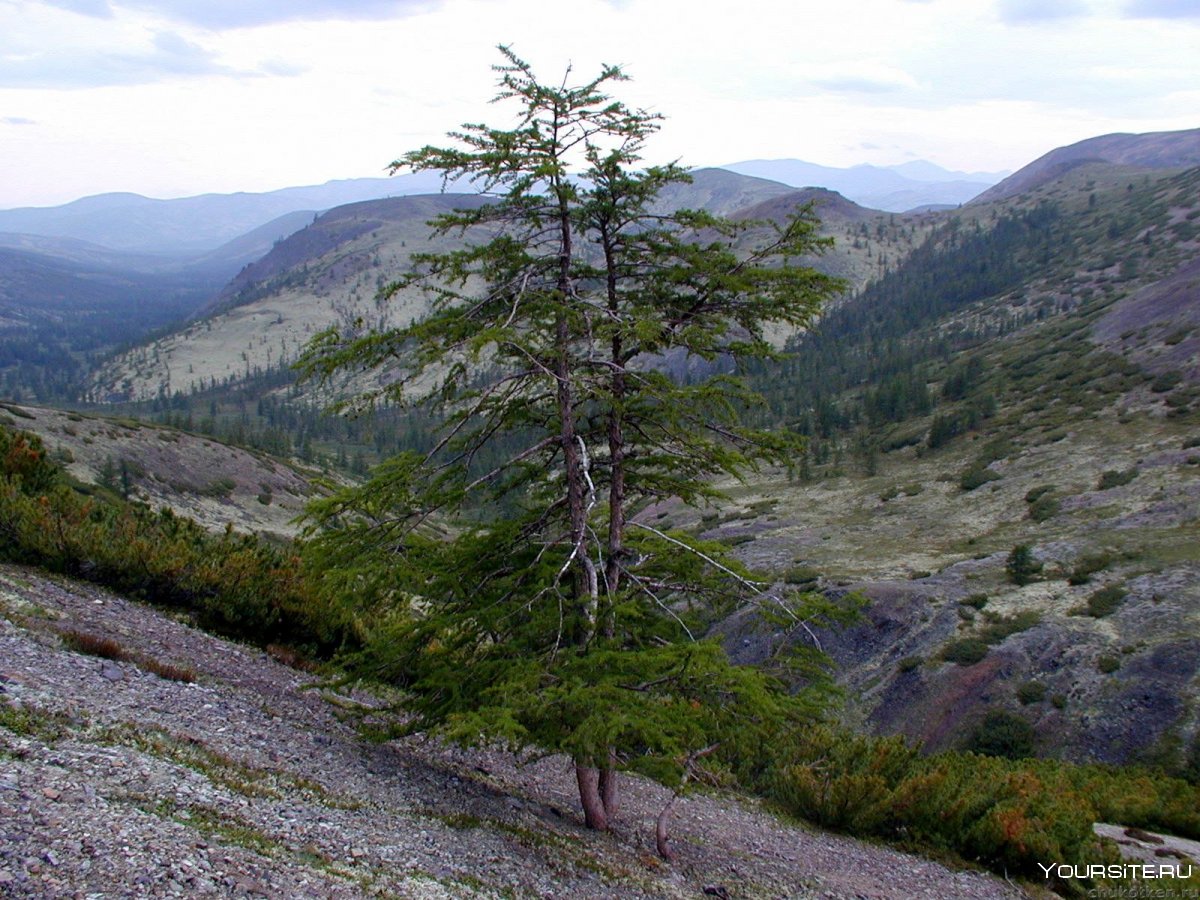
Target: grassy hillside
column 1048, row 398
column 331, row 271
column 1016, row 373
column 213, row 483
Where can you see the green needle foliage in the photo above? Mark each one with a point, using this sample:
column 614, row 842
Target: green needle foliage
column 505, row 578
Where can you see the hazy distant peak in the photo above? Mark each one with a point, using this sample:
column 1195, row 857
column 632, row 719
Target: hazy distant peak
column 890, row 188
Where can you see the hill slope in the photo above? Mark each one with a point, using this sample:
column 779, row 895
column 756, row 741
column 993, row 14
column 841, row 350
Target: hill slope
column 214, row 483
column 249, row 782
column 330, row 272
column 1155, row 150
column 1055, row 404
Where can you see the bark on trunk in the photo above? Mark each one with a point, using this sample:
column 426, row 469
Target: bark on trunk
column 616, row 452
column 661, row 829
column 588, row 779
column 609, row 793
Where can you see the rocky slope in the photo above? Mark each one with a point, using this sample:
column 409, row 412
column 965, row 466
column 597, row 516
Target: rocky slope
column 330, row 272
column 1154, row 150
column 1092, row 459
column 247, row 780
column 211, row 482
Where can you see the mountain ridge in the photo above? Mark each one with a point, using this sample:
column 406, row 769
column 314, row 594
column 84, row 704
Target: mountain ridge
column 1150, row 150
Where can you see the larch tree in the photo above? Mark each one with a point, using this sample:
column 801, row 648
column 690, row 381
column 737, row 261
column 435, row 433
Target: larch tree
column 509, row 580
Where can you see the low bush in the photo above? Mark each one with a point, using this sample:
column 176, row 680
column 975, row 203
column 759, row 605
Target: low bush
column 1032, row 495
column 1165, row 382
column 1003, row 627
column 169, row 671
column 94, row 645
column 977, row 476
column 1045, row 507
column 1088, row 566
column 1112, row 478
column 965, row 651
column 1105, row 601
column 1031, row 692
column 1003, row 734
column 801, row 575
column 976, row 601
column 234, row 584
column 1021, row 567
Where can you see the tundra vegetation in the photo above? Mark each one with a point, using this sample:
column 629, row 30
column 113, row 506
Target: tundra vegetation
column 1010, row 814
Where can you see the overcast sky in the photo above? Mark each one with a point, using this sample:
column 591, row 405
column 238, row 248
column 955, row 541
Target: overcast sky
column 170, row 98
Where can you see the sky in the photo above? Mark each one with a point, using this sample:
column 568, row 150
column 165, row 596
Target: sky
column 170, row 98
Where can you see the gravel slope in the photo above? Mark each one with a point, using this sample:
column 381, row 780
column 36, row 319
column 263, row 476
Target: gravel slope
column 115, row 782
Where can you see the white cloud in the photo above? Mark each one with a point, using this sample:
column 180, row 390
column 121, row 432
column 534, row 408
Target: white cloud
column 1025, row 12
column 1162, row 9
column 168, row 98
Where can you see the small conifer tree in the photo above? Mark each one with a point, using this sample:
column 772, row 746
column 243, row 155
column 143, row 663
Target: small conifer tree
column 508, row 580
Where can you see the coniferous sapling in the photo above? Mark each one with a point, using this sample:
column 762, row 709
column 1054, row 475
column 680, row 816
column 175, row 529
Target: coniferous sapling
column 509, row 580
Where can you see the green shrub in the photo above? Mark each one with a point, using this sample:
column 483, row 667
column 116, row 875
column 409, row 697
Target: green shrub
column 1004, row 627
column 1031, row 692
column 220, row 488
column 910, row 663
column 1011, row 815
column 1045, row 507
column 976, row 476
column 801, row 575
column 976, row 601
column 1105, row 601
column 1003, row 734
column 965, row 651
column 1165, row 382
column 1088, row 566
column 1113, row 478
column 843, row 781
column 1021, row 566
column 1108, row 663
column 1032, row 495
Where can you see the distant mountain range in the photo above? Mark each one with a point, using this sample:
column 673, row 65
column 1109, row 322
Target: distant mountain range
column 191, row 226
column 900, row 188
column 120, row 266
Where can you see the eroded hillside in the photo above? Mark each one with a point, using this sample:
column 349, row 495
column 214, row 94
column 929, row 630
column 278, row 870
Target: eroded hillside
column 329, row 274
column 214, row 483
column 1063, row 414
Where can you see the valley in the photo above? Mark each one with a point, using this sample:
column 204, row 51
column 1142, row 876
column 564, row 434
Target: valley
column 1002, row 422
column 1073, row 354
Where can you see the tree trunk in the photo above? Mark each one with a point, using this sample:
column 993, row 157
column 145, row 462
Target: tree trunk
column 588, row 779
column 616, row 452
column 609, row 793
column 662, row 827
